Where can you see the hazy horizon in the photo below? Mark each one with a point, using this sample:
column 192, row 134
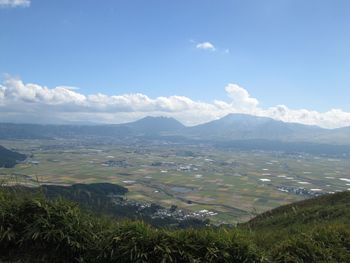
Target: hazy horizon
column 87, row 123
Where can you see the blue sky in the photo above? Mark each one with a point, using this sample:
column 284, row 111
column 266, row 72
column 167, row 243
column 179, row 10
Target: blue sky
column 290, row 52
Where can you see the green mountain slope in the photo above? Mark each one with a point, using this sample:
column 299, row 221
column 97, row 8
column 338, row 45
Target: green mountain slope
column 9, row 158
column 324, row 209
column 34, row 229
column 313, row 230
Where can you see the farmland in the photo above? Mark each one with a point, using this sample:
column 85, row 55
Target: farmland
column 233, row 185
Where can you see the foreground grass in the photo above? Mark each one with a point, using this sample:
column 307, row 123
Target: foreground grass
column 33, row 229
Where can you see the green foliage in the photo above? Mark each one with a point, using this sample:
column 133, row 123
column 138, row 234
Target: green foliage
column 45, row 231
column 323, row 244
column 326, row 208
column 34, row 229
column 137, row 242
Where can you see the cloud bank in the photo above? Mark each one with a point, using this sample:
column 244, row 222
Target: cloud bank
column 14, row 3
column 33, row 103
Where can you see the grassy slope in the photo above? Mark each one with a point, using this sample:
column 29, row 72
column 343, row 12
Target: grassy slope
column 33, row 229
column 321, row 210
column 313, row 230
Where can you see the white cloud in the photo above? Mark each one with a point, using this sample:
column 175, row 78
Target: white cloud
column 241, row 99
column 333, row 118
column 27, row 102
column 14, row 3
column 206, row 46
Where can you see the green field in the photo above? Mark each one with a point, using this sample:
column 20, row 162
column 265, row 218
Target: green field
column 236, row 185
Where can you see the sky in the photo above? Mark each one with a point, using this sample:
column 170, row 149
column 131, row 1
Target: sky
column 113, row 61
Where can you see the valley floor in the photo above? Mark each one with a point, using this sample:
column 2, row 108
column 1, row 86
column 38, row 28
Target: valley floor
column 232, row 186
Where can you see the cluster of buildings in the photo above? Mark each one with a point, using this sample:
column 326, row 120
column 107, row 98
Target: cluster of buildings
column 300, row 191
column 182, row 215
column 156, row 211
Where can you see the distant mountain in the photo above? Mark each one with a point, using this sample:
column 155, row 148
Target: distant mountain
column 344, row 129
column 343, row 132
column 39, row 131
column 336, row 136
column 9, row 158
column 247, row 127
column 151, row 125
column 145, row 126
column 233, row 127
column 23, row 131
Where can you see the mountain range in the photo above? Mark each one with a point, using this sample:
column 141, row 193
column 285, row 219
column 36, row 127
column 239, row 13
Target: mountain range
column 233, row 127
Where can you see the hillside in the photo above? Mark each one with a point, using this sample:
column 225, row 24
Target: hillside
column 313, row 230
column 9, row 158
column 321, row 210
column 33, row 229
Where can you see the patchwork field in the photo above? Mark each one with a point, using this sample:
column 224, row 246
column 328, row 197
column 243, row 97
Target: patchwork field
column 234, row 185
